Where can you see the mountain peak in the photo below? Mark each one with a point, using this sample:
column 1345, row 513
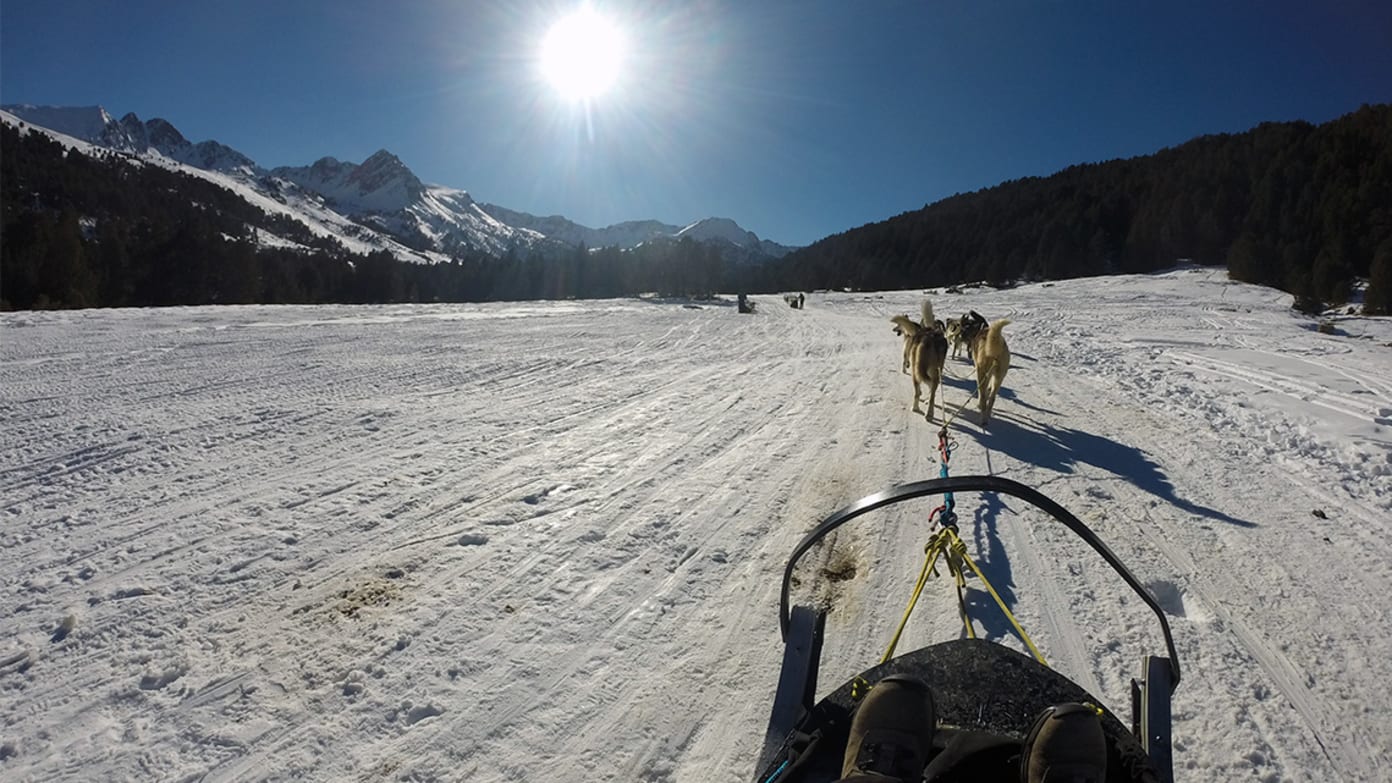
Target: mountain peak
column 381, row 183
column 81, row 122
column 383, row 169
column 326, row 167
column 721, row 229
column 383, row 157
column 94, row 125
column 163, row 134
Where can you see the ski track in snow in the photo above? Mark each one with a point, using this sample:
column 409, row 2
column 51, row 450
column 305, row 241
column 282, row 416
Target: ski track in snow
column 535, row 541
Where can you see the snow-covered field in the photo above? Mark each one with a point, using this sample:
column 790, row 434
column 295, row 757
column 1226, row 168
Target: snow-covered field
column 543, row 541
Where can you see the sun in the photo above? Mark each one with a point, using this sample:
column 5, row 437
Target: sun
column 582, row 55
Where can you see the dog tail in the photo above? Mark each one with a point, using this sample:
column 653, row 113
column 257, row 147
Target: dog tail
column 993, row 333
column 927, row 312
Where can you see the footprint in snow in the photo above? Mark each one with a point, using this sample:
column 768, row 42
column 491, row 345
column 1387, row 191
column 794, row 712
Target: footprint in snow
column 156, row 680
column 537, row 497
column 1176, row 601
column 64, row 628
column 412, row 714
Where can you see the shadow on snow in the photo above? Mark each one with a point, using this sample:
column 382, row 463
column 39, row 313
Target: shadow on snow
column 991, row 558
column 1061, row 449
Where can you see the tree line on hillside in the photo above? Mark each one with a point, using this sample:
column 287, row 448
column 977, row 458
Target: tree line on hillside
column 104, row 230
column 1299, row 207
column 1304, row 208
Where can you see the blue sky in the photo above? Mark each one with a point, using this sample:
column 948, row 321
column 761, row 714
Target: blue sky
column 796, row 119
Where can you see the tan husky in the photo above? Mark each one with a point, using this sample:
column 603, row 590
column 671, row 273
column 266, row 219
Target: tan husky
column 908, row 329
column 992, row 358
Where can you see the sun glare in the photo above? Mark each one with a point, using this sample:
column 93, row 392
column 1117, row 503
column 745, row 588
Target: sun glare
column 582, row 54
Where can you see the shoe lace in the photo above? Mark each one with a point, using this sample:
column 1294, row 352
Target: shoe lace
column 1138, row 766
column 885, row 758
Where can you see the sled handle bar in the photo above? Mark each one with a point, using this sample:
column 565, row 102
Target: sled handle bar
column 997, row 484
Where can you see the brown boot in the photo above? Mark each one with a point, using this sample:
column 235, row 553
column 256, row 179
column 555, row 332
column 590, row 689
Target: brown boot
column 1065, row 745
column 892, row 731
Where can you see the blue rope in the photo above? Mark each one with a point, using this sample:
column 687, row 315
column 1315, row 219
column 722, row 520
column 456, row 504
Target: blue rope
column 946, row 447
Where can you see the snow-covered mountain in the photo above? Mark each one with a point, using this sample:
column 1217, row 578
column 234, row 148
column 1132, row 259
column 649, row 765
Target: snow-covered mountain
column 384, row 194
column 632, row 233
column 379, row 204
column 627, row 234
column 382, row 183
column 90, row 123
column 725, row 230
column 129, row 134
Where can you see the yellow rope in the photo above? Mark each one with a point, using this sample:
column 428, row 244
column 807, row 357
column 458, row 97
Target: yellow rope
column 948, row 544
column 930, row 556
column 1038, row 656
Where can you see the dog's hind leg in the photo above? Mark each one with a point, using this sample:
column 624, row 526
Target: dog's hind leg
column 1000, row 367
column 990, row 388
column 983, row 388
column 933, row 395
column 918, row 395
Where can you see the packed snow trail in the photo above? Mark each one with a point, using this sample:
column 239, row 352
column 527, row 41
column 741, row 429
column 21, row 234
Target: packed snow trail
column 532, row 541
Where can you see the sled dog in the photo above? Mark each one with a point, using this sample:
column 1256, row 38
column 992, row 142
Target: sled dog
column 973, row 328
column 992, row 359
column 928, row 351
column 953, row 330
column 906, row 328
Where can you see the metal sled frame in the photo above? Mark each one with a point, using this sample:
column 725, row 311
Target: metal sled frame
column 805, row 737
